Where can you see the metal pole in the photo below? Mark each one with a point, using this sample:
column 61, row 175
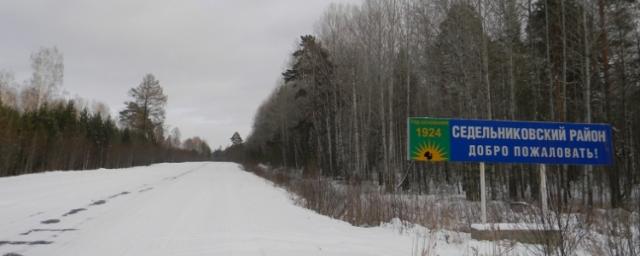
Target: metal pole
column 483, row 194
column 543, row 188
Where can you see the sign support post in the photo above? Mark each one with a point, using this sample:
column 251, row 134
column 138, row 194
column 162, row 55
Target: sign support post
column 483, row 194
column 543, row 189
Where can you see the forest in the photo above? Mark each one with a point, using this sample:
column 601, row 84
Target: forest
column 40, row 130
column 340, row 110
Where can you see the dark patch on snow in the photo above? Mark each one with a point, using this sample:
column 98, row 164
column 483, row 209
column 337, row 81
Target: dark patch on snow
column 50, row 221
column 119, row 194
column 38, row 242
column 183, row 174
column 99, row 202
column 48, row 230
column 145, row 189
column 73, row 211
column 12, row 254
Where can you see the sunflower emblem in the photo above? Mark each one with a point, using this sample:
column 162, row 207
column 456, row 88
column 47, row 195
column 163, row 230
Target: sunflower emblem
column 430, row 152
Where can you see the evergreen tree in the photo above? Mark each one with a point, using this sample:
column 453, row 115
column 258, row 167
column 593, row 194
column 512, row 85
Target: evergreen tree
column 145, row 113
column 236, row 139
column 311, row 76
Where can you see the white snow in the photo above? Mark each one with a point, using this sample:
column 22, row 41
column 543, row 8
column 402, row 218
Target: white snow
column 513, row 226
column 173, row 209
column 194, row 209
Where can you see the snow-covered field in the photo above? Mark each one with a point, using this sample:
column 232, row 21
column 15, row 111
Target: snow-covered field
column 173, row 209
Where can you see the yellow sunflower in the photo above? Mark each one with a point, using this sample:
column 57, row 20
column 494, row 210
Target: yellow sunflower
column 429, row 152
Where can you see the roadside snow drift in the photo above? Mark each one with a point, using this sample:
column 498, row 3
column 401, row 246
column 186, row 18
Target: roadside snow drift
column 172, row 209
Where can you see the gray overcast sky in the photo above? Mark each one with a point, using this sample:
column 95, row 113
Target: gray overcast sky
column 217, row 60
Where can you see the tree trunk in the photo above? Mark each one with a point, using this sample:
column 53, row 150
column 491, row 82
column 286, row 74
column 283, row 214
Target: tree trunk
column 614, row 185
column 588, row 175
column 549, row 65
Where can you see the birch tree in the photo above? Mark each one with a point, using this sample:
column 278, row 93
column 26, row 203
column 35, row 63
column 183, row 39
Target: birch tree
column 48, row 74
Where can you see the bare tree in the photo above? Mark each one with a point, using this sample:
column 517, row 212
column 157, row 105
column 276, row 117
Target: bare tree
column 48, row 73
column 8, row 91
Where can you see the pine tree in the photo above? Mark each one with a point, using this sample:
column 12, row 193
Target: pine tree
column 311, row 75
column 145, row 113
column 236, row 139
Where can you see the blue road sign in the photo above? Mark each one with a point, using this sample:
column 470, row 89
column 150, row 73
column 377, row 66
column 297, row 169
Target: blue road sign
column 515, row 142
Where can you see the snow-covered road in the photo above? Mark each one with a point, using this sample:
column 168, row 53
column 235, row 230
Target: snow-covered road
column 172, row 209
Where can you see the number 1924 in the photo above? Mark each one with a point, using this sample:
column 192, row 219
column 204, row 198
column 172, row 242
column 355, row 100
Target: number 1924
column 429, row 132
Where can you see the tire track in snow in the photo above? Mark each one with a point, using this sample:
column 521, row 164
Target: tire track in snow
column 57, row 231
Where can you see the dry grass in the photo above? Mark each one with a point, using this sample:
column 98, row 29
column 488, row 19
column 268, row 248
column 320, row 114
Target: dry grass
column 608, row 232
column 368, row 205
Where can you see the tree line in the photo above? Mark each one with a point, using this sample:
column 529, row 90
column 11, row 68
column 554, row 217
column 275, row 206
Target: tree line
column 40, row 130
column 341, row 107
